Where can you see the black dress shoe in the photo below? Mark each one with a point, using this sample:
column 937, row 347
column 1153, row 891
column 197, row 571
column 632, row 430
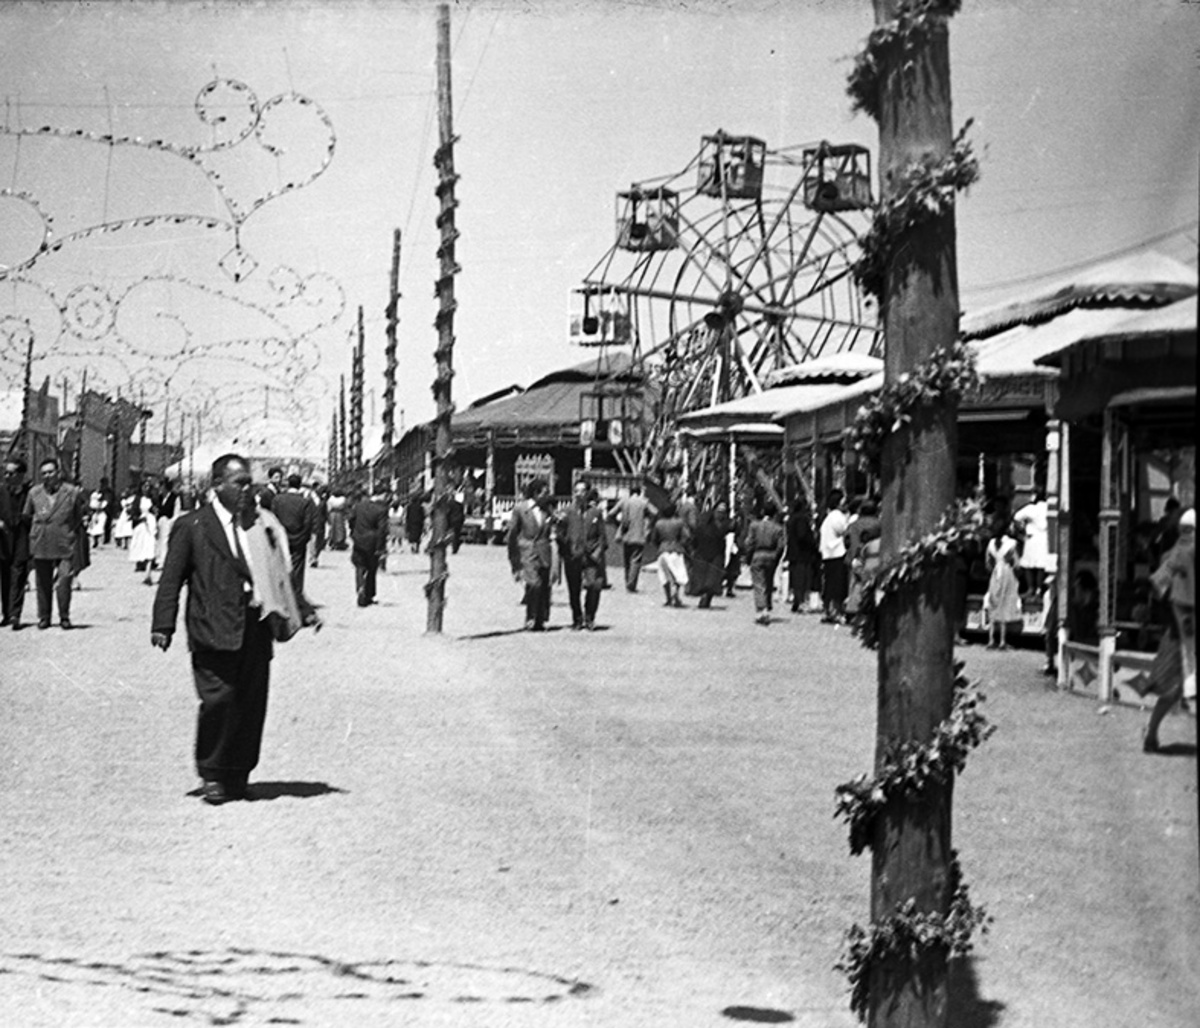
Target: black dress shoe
column 214, row 793
column 43, row 624
column 236, row 788
column 66, row 624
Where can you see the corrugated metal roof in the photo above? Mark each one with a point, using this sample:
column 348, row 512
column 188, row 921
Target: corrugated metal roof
column 835, row 367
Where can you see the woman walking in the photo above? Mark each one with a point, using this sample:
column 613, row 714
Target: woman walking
column 671, row 536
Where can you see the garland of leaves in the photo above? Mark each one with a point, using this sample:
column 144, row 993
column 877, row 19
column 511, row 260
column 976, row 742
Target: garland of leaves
column 903, row 37
column 946, row 376
column 904, row 937
column 963, row 524
column 924, row 191
column 908, row 767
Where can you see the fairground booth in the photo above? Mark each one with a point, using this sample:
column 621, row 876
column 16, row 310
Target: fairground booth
column 1127, row 402
column 1013, row 443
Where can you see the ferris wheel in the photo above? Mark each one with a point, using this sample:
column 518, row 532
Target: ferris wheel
column 725, row 272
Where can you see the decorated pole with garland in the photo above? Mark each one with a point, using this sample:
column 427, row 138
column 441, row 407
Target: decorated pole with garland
column 899, row 970
column 443, row 454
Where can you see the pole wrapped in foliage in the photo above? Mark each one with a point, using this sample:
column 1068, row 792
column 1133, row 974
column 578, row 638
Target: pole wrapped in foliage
column 928, row 717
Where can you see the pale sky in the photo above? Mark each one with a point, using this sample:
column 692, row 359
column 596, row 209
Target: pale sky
column 1086, row 123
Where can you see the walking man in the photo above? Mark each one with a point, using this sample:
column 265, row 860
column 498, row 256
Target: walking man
column 14, row 541
column 368, row 542
column 530, row 554
column 583, row 543
column 298, row 514
column 233, row 558
column 633, row 523
column 57, row 513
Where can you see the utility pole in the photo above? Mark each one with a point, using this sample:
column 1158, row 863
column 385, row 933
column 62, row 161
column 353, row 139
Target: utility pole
column 389, row 370
column 443, row 161
column 356, row 397
column 341, row 440
column 911, row 855
column 80, row 421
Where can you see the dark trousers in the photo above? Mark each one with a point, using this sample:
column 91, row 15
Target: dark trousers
column 537, row 596
column 633, row 564
column 53, row 580
column 802, row 578
column 584, row 613
column 762, row 578
column 15, row 577
column 299, row 554
column 232, row 686
column 366, row 567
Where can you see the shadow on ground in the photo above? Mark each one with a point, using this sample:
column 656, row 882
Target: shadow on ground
column 245, row 986
column 968, row 1009
column 275, row 790
column 757, row 1015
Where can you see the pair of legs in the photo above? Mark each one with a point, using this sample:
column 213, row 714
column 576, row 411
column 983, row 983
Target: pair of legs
column 997, row 635
column 14, row 577
column 366, row 567
column 632, row 553
column 672, row 575
column 53, row 582
column 834, row 586
column 537, row 597
column 762, row 578
column 583, row 593
column 232, row 688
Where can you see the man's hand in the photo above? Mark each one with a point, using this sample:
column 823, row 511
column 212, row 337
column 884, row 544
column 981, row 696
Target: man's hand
column 161, row 639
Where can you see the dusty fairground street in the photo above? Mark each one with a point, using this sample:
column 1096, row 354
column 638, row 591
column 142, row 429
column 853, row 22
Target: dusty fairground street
column 494, row 829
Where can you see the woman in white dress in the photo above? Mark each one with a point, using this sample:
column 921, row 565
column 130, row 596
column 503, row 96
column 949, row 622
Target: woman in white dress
column 1003, row 599
column 123, row 525
column 142, row 542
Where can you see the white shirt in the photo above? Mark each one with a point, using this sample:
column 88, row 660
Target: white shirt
column 833, row 535
column 225, row 516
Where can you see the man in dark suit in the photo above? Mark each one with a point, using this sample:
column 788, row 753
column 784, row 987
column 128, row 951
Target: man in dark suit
column 230, row 641
column 530, row 532
column 14, row 541
column 368, row 542
column 298, row 514
column 56, row 512
column 583, row 543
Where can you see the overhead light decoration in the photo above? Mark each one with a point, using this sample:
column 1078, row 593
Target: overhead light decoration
column 209, row 350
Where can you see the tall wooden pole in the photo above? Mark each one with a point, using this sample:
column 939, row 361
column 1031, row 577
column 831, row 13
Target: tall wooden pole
column 27, row 405
column 356, row 397
column 389, row 369
column 342, row 425
column 79, row 423
column 911, row 857
column 443, row 161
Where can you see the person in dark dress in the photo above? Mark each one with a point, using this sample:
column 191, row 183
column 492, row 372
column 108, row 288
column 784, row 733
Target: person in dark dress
column 803, row 555
column 706, row 575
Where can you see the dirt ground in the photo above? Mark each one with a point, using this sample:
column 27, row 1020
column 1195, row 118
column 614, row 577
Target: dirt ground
column 493, row 829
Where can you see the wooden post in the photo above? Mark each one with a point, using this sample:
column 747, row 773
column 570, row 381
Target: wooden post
column 389, row 370
column 356, row 397
column 911, row 858
column 79, row 424
column 341, row 440
column 443, row 161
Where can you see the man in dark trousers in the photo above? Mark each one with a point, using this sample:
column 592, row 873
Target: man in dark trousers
column 228, row 633
column 298, row 514
column 530, row 534
column 14, row 541
column 368, row 542
column 634, row 516
column 583, row 543
column 56, row 511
